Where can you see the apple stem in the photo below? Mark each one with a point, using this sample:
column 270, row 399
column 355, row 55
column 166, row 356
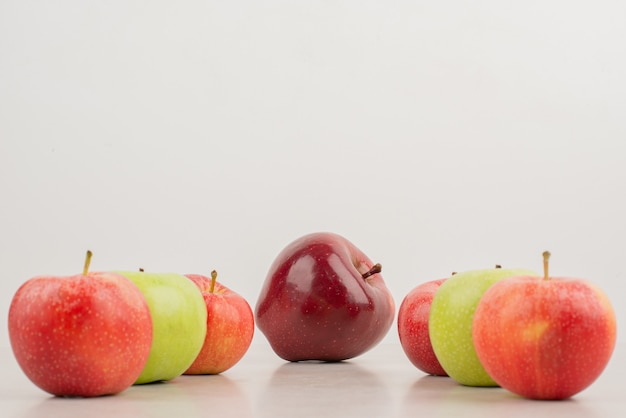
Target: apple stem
column 376, row 268
column 87, row 262
column 213, row 280
column 546, row 258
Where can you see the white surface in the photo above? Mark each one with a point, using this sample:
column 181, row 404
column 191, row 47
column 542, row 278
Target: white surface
column 437, row 136
column 380, row 383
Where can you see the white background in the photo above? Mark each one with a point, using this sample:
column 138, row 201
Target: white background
column 198, row 135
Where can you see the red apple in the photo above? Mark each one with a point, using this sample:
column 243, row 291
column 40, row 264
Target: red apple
column 84, row 335
column 323, row 299
column 413, row 328
column 544, row 338
column 230, row 327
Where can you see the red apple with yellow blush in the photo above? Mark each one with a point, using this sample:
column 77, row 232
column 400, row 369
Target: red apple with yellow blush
column 544, row 337
column 230, row 327
column 82, row 335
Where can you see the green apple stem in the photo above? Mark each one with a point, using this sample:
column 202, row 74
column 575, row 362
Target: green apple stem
column 546, row 258
column 376, row 268
column 213, row 280
column 87, row 262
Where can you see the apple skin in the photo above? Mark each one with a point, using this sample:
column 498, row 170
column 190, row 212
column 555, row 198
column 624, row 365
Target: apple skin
column 230, row 328
column 82, row 335
column 544, row 339
column 450, row 323
column 413, row 327
column 316, row 305
column 179, row 321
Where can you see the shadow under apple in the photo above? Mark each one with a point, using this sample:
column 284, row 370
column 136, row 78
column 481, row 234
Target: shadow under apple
column 442, row 396
column 324, row 389
column 185, row 396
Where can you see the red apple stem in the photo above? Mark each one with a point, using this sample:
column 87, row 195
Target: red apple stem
column 87, row 262
column 546, row 258
column 376, row 268
column 213, row 280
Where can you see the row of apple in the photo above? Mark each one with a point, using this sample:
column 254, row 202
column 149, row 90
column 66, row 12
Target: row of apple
column 323, row 299
column 541, row 337
column 98, row 333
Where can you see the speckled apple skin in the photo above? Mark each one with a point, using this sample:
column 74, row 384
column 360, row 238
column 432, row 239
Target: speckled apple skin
column 450, row 323
column 315, row 304
column 80, row 336
column 544, row 339
column 230, row 328
column 413, row 327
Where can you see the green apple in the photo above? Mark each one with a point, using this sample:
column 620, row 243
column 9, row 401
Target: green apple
column 450, row 322
column 179, row 316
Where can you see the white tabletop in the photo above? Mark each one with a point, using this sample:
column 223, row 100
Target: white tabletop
column 380, row 383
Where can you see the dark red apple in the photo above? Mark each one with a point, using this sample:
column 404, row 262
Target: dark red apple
column 323, row 299
column 413, row 328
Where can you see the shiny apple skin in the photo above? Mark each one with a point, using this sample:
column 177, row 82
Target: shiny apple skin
column 230, row 328
column 413, row 327
column 315, row 304
column 80, row 335
column 544, row 339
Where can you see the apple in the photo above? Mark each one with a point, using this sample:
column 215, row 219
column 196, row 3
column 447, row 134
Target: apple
column 323, row 299
column 450, row 323
column 413, row 327
column 179, row 320
column 229, row 327
column 544, row 337
column 82, row 335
